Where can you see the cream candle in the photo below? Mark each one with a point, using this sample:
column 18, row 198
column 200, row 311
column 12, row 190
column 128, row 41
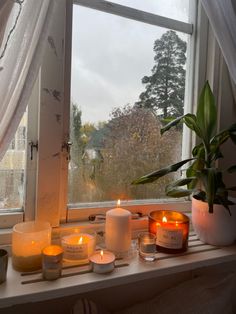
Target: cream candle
column 102, row 262
column 28, row 241
column 118, row 229
column 78, row 246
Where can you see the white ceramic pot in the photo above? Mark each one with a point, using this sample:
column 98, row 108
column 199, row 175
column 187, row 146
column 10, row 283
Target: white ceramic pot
column 218, row 228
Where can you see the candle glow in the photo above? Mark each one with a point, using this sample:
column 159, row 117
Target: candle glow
column 101, row 254
column 164, row 219
column 118, row 203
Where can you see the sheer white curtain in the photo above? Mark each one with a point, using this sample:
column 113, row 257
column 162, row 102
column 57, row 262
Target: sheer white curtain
column 222, row 16
column 24, row 28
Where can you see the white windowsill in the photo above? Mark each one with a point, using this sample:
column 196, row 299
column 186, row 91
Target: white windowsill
column 13, row 292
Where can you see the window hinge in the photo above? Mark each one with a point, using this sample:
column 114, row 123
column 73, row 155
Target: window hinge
column 32, row 146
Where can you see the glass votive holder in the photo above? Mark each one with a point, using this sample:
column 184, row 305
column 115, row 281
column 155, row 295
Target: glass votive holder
column 147, row 246
column 52, row 262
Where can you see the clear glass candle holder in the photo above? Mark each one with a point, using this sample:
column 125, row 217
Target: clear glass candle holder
column 147, row 246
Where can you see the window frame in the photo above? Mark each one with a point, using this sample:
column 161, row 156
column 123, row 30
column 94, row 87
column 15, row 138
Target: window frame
column 81, row 212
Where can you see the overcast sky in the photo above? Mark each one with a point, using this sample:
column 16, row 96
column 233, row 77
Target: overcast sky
column 111, row 54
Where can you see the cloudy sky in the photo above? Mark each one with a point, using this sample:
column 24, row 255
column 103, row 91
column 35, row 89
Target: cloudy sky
column 111, row 54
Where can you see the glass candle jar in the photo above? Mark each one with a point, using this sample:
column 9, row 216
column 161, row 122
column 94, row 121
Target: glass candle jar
column 147, row 246
column 52, row 262
column 28, row 241
column 171, row 229
column 79, row 246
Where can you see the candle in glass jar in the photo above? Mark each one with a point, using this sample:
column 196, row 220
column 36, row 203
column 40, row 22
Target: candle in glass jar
column 28, row 241
column 78, row 246
column 171, row 229
column 102, row 262
column 52, row 262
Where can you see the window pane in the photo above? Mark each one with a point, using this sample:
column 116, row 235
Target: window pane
column 126, row 77
column 12, row 170
column 174, row 9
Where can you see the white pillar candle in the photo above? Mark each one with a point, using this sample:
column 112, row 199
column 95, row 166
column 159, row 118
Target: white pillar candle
column 28, row 241
column 118, row 230
column 78, row 246
column 102, row 262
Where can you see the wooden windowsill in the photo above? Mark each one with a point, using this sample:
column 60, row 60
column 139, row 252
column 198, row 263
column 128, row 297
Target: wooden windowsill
column 199, row 255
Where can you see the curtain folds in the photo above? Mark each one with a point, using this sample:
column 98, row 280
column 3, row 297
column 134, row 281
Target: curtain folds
column 222, row 16
column 28, row 23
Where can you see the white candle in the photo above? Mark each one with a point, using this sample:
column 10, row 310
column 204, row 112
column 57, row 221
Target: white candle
column 118, row 230
column 102, row 262
column 78, row 246
column 28, row 241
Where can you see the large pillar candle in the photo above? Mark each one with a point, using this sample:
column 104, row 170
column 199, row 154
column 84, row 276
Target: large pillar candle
column 118, row 229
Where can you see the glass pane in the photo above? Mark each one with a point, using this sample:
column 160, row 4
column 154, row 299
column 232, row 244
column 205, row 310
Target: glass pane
column 126, row 77
column 174, row 9
column 12, row 170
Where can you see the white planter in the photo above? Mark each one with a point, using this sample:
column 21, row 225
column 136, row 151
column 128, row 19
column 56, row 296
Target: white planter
column 218, row 228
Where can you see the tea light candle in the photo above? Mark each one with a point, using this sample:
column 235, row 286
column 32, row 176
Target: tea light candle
column 78, row 246
column 28, row 241
column 118, row 229
column 52, row 262
column 171, row 229
column 102, row 262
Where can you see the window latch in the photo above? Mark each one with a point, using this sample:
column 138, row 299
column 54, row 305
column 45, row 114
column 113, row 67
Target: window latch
column 32, row 146
column 67, row 147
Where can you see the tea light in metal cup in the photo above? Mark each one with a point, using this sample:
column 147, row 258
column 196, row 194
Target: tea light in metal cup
column 102, row 262
column 52, row 262
column 147, row 246
column 3, row 265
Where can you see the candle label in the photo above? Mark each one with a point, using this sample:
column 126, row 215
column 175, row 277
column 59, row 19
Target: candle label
column 75, row 252
column 169, row 238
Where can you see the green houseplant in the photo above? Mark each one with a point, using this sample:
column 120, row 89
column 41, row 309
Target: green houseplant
column 204, row 180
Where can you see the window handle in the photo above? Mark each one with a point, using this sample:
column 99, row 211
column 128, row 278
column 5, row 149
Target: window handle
column 32, row 146
column 67, row 147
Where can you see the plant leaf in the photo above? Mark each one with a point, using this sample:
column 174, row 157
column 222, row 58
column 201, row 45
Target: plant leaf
column 171, row 124
column 209, row 179
column 206, row 112
column 177, row 192
column 191, row 121
column 182, row 182
column 153, row 176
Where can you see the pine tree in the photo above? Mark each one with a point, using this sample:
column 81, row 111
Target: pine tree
column 164, row 91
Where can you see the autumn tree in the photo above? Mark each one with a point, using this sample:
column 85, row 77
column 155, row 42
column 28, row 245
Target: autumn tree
column 164, row 88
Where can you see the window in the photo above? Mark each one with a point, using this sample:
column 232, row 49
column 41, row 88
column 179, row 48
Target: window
column 127, row 77
column 99, row 136
column 12, row 168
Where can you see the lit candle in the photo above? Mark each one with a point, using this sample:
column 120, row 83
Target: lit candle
column 171, row 229
column 78, row 246
column 102, row 262
column 28, row 241
column 52, row 262
column 118, row 229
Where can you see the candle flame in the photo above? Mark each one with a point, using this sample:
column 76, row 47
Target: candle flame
column 101, row 254
column 118, row 203
column 164, row 219
column 158, row 224
column 32, row 242
column 176, row 224
column 80, row 240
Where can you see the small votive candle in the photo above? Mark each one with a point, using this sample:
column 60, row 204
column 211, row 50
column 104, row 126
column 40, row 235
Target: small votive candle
column 28, row 241
column 52, row 262
column 78, row 246
column 147, row 246
column 102, row 262
column 171, row 229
